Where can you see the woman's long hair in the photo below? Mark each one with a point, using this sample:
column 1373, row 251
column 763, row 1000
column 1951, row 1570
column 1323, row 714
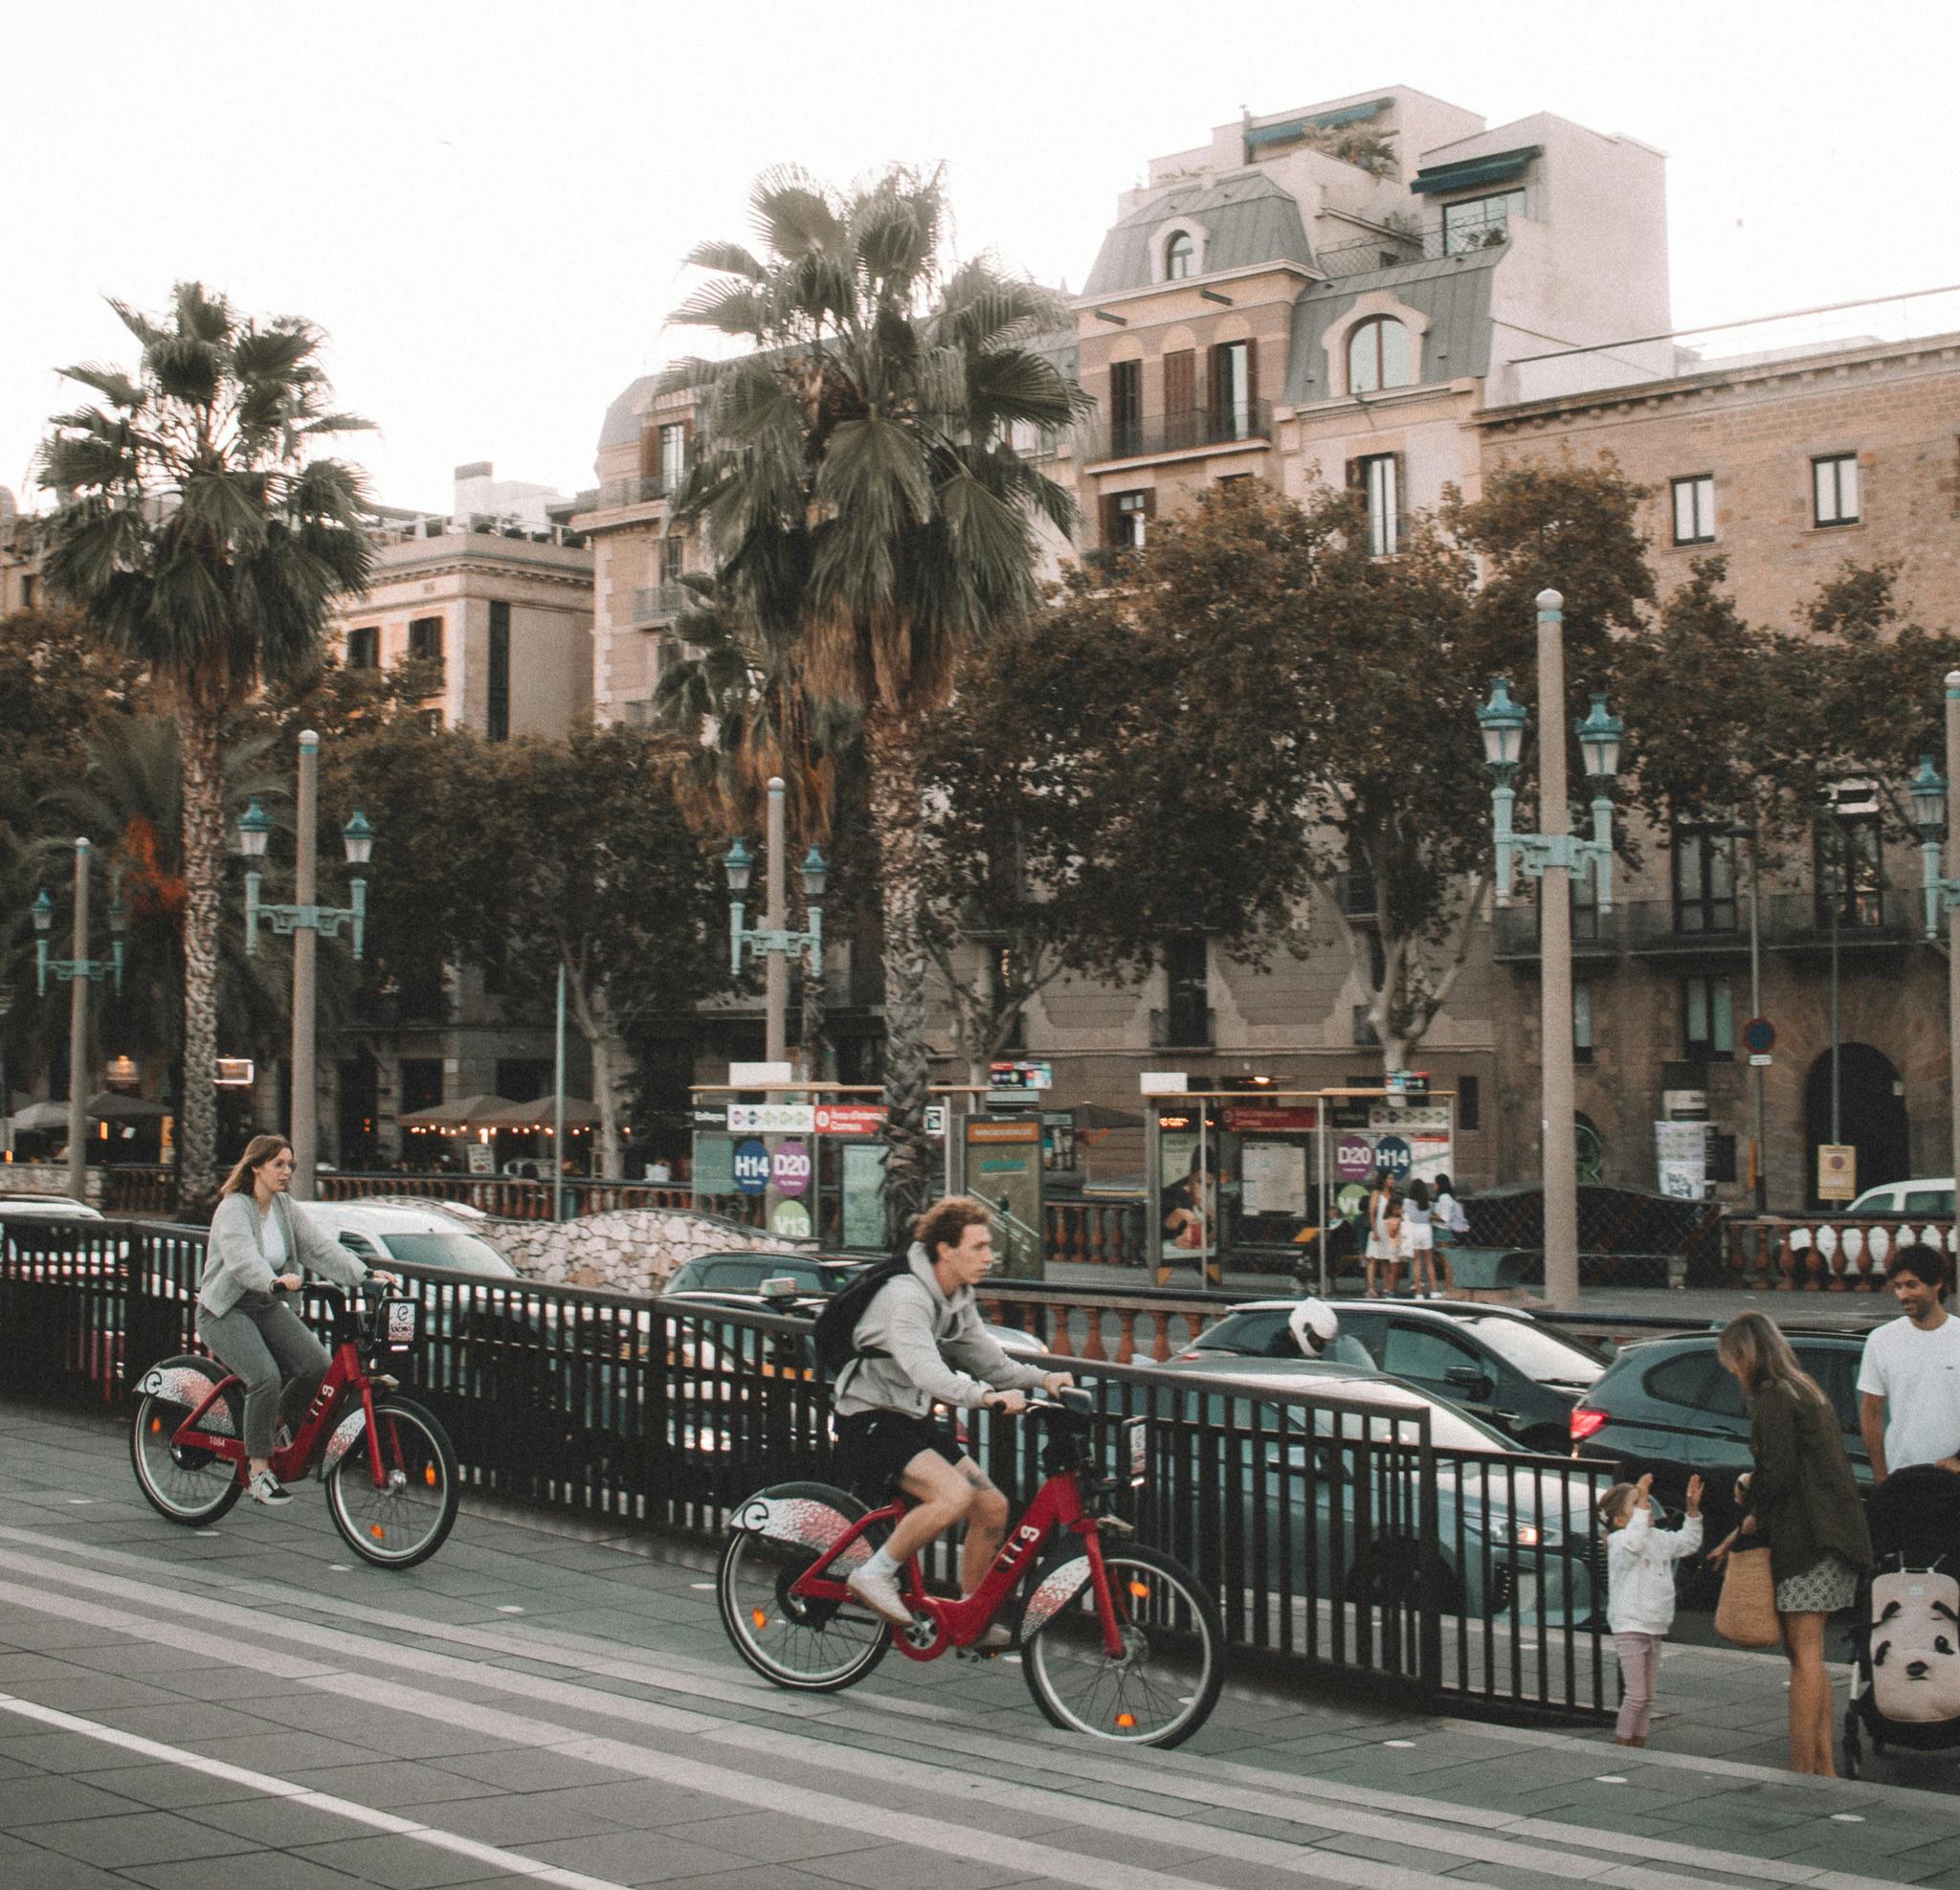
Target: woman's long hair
column 258, row 1152
column 1760, row 1355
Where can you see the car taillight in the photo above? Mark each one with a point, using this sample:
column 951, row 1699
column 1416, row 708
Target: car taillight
column 1584, row 1422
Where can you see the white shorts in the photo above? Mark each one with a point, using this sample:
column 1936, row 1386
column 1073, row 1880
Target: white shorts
column 1418, row 1239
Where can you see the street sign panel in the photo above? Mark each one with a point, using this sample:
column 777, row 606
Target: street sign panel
column 1759, row 1037
column 773, row 1118
column 1760, row 1061
column 857, row 1118
column 789, row 1168
column 1836, row 1171
column 752, row 1166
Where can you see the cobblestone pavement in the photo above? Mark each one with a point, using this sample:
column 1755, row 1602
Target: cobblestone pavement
column 551, row 1700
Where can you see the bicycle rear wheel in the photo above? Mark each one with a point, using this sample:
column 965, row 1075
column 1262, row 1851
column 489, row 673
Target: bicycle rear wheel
column 1163, row 1687
column 405, row 1517
column 189, row 1486
column 809, row 1645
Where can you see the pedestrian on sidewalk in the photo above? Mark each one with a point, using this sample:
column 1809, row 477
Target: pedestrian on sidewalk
column 1802, row 1495
column 1909, row 1380
column 1640, row 1592
column 1418, row 1240
column 1451, row 1228
column 1383, row 1235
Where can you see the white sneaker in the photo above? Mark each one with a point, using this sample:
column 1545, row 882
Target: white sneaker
column 880, row 1595
column 266, row 1488
column 997, row 1639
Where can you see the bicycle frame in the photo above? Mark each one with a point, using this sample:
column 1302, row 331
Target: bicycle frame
column 345, row 1384
column 1057, row 1509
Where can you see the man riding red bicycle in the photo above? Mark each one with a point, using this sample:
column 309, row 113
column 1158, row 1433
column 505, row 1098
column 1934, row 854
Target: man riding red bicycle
column 920, row 1342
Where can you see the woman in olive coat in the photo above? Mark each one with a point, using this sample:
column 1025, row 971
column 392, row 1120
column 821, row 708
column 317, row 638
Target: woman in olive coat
column 1802, row 1497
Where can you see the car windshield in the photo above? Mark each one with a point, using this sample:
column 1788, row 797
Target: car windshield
column 459, row 1253
column 746, row 1275
column 1537, row 1353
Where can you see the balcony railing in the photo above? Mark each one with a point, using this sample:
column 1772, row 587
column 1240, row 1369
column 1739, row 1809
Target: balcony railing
column 641, row 489
column 660, row 603
column 1150, row 436
column 1392, row 249
column 1659, row 928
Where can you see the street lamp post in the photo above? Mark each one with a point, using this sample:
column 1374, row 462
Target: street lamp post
column 1942, row 891
column 772, row 941
column 77, row 973
column 307, row 922
column 1552, row 857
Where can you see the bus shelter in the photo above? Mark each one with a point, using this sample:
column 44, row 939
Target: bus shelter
column 1277, row 1179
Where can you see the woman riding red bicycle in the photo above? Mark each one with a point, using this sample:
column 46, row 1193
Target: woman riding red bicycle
column 259, row 1243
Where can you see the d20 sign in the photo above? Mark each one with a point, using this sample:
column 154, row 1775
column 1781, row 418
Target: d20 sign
column 1353, row 1155
column 789, row 1168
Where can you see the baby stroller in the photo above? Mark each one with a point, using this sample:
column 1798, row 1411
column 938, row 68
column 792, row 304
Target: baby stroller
column 1905, row 1633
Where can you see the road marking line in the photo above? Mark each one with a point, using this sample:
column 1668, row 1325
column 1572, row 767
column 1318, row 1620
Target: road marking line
column 387, row 1822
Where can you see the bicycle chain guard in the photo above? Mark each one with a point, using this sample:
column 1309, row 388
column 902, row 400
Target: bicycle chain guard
column 346, row 1434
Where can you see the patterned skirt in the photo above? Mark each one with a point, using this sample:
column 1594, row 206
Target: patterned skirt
column 1826, row 1586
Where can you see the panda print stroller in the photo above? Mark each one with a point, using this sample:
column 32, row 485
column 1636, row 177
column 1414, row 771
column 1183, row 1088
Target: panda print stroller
column 1906, row 1635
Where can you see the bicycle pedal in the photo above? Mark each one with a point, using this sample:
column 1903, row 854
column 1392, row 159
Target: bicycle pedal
column 384, row 1381
column 1115, row 1526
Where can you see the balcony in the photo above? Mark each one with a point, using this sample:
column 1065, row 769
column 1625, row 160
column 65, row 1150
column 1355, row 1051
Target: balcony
column 1392, row 249
column 641, row 489
column 656, row 603
column 1659, row 928
column 1152, row 436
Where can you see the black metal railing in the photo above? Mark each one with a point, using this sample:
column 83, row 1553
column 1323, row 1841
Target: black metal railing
column 1184, row 1026
column 641, row 488
column 660, row 603
column 1336, row 1531
column 1146, row 435
column 1788, row 922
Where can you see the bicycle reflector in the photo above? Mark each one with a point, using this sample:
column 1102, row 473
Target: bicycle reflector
column 1584, row 1422
column 1127, row 1720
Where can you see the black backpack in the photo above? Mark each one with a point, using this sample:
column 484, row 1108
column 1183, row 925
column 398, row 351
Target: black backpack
column 833, row 1334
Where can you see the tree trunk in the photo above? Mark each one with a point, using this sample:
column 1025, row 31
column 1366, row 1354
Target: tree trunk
column 602, row 1041
column 892, row 748
column 202, row 764
column 816, row 1057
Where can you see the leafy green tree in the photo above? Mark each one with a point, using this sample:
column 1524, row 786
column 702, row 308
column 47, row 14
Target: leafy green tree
column 196, row 531
column 859, row 487
column 596, row 870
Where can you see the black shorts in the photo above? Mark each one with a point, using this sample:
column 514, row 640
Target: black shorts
column 874, row 1447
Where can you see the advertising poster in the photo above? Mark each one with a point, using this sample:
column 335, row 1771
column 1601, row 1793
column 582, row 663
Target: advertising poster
column 1181, row 1196
column 863, row 1224
column 1004, row 1170
column 1682, row 1155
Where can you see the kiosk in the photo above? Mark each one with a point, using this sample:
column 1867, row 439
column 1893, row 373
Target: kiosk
column 1259, row 1175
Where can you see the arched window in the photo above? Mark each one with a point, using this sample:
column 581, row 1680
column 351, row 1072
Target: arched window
column 1378, row 356
column 1180, row 257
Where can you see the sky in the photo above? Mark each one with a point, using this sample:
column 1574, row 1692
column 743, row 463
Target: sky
column 486, row 206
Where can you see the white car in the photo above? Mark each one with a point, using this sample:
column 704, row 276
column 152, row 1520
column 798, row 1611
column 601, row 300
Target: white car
column 420, row 1236
column 47, row 1207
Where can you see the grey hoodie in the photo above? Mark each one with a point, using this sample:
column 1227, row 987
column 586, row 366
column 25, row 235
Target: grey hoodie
column 937, row 1350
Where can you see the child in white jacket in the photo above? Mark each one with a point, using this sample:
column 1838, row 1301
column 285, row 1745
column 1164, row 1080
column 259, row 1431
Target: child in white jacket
column 1640, row 1578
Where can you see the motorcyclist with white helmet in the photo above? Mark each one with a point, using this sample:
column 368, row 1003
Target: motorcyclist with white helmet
column 1316, row 1329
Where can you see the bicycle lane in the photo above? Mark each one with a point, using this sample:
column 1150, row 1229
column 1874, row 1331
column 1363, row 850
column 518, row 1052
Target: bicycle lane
column 604, row 1728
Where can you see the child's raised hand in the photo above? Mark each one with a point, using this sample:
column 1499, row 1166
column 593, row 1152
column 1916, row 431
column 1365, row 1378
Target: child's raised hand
column 1643, row 1492
column 1694, row 1496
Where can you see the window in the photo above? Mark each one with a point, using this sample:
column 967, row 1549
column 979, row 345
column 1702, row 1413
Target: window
column 1231, row 390
column 673, row 557
column 1378, row 356
column 1127, row 517
column 1469, row 1113
column 1850, row 866
column 1582, row 1021
column 1125, row 407
column 497, row 704
column 363, row 647
column 1694, row 509
column 673, row 454
column 27, row 591
column 1707, row 1019
column 1425, row 1354
column 425, row 640
column 1833, row 490
column 420, row 1084
column 1378, row 479
column 1180, row 257
column 1188, row 1016
column 1479, row 222
column 1704, row 879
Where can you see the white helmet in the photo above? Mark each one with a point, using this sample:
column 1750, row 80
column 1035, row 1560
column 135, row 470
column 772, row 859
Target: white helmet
column 1315, row 1326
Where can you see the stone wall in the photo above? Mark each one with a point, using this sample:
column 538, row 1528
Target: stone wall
column 47, row 1178
column 632, row 1251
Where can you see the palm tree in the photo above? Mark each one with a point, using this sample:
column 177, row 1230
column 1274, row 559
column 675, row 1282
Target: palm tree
column 857, row 484
column 197, row 532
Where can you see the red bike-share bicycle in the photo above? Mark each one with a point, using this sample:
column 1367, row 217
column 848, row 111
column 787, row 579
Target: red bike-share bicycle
column 388, row 1465
column 1116, row 1640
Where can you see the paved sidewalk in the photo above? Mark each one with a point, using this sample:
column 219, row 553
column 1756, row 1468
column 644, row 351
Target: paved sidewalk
column 553, row 1701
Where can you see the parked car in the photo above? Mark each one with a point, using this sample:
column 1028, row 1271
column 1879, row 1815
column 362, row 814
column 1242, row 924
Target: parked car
column 422, row 1236
column 1502, row 1367
column 1933, row 1199
column 738, row 1278
column 1510, row 1534
column 46, row 1207
column 1666, row 1406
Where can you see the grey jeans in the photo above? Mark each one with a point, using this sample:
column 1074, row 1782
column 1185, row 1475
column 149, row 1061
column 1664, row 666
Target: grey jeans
column 258, row 1339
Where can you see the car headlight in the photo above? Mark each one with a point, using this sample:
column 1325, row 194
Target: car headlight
column 1504, row 1532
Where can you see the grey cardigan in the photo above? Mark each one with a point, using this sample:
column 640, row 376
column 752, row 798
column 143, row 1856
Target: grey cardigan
column 234, row 1264
column 936, row 1349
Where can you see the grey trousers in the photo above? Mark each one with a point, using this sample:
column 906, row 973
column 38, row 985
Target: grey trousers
column 258, row 1339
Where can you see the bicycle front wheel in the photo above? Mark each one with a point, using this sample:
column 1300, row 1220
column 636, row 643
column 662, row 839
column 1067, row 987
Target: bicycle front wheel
column 405, row 1517
column 1162, row 1687
column 809, row 1645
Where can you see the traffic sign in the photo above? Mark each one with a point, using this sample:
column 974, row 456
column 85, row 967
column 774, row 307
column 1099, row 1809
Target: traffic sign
column 1760, row 1060
column 789, row 1168
column 752, row 1166
column 1759, row 1037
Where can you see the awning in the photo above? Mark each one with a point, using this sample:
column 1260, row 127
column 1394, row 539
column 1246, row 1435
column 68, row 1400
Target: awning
column 1473, row 173
column 1296, row 128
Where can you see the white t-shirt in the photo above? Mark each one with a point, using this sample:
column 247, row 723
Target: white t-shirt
column 271, row 1241
column 1918, row 1375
